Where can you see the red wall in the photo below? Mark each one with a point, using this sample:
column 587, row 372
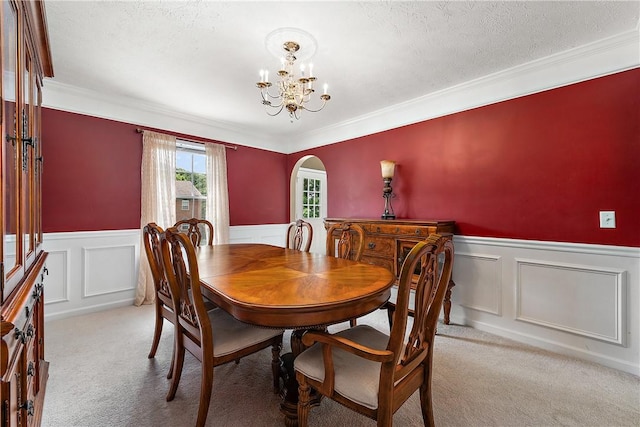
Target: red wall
column 92, row 177
column 539, row 167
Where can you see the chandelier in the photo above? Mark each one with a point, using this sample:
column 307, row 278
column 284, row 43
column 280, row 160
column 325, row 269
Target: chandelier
column 292, row 93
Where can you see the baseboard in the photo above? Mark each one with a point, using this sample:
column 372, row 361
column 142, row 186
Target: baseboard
column 62, row 314
column 553, row 346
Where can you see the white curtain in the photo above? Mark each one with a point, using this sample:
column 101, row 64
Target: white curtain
column 158, row 199
column 217, row 192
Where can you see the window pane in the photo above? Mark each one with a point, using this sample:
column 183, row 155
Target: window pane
column 191, row 184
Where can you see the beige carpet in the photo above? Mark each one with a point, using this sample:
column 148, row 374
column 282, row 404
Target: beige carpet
column 100, row 376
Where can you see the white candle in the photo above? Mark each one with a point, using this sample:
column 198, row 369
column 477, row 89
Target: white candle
column 310, row 70
column 302, row 70
column 326, row 87
column 262, row 76
column 266, row 76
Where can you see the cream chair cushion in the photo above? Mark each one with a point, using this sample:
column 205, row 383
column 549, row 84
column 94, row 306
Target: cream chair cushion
column 355, row 378
column 231, row 335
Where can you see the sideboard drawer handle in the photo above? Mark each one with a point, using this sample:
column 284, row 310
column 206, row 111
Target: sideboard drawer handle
column 372, row 245
column 418, row 231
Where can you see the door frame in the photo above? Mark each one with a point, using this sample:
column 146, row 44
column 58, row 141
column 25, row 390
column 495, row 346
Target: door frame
column 319, row 233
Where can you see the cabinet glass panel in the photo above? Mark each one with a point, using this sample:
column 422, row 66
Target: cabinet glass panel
column 27, row 170
column 37, row 151
column 10, row 143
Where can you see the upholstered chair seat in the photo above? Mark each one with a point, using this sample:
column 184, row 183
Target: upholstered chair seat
column 232, row 335
column 356, row 378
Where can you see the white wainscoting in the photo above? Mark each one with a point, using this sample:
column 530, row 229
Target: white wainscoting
column 90, row 271
column 576, row 299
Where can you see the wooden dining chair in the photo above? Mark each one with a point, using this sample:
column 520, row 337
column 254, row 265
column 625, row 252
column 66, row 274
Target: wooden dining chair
column 214, row 337
column 163, row 304
column 346, row 241
column 390, row 305
column 374, row 373
column 197, row 229
column 296, row 236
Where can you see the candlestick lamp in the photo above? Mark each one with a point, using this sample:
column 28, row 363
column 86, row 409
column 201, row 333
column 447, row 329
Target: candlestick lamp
column 387, row 167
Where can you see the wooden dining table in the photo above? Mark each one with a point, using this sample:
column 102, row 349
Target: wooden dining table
column 275, row 287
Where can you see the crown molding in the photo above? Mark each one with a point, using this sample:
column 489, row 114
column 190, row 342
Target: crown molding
column 601, row 58
column 64, row 97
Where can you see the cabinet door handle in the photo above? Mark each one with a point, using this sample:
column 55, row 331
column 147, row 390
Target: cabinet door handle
column 31, row 370
column 372, row 245
column 36, row 293
column 20, row 336
column 28, row 405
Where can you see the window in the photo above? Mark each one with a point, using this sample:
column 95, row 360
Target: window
column 311, row 198
column 191, row 181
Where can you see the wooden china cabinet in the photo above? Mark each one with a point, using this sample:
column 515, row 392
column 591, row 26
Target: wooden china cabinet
column 25, row 60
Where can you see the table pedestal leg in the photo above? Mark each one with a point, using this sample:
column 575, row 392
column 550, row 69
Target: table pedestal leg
column 289, row 405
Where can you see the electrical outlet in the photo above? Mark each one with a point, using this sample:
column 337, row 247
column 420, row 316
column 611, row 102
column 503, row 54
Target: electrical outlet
column 607, row 219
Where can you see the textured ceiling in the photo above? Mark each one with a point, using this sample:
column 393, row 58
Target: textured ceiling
column 202, row 58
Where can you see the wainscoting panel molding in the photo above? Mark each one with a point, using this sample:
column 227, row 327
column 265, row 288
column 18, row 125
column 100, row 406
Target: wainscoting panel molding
column 58, row 282
column 572, row 298
column 269, row 234
column 98, row 271
column 595, row 296
column 100, row 276
column 485, row 272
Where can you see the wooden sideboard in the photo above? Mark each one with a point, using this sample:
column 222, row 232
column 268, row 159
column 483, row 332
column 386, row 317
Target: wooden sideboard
column 387, row 242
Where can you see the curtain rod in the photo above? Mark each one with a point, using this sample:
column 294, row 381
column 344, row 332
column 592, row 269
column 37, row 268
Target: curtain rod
column 230, row 147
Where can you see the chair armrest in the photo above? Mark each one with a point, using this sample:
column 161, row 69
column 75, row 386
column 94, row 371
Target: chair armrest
column 347, row 345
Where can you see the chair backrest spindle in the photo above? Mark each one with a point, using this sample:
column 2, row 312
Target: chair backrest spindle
column 345, row 241
column 196, row 229
column 296, row 236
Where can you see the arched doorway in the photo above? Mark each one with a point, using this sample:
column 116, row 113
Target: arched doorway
column 309, row 198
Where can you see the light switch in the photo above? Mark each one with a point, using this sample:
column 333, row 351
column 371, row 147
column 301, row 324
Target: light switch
column 607, row 219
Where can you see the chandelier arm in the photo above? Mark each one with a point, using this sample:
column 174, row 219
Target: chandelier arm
column 314, row 111
column 279, row 105
column 277, row 112
column 270, row 95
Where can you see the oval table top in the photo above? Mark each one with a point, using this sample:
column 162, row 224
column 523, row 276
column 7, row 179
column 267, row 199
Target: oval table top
column 276, row 287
